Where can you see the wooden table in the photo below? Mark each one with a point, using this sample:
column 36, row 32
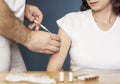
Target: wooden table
column 105, row 77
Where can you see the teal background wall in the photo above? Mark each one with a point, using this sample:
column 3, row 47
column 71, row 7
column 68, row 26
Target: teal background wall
column 52, row 10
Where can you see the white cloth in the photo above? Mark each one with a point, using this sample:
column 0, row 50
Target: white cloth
column 4, row 54
column 91, row 48
column 17, row 7
column 9, row 51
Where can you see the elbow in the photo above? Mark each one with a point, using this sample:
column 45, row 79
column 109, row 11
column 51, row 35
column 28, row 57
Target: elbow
column 53, row 68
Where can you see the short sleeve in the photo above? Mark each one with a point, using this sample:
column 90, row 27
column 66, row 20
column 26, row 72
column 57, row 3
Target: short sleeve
column 65, row 23
column 17, row 7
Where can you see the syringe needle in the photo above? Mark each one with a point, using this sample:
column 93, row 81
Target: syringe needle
column 43, row 27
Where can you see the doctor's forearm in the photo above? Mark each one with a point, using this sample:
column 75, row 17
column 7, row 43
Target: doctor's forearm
column 10, row 26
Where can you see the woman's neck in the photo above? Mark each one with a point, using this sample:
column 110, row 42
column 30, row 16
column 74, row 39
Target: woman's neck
column 104, row 18
column 105, row 15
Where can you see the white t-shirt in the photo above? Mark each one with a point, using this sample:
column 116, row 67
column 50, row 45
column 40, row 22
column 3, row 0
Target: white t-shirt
column 6, row 48
column 17, row 7
column 91, row 48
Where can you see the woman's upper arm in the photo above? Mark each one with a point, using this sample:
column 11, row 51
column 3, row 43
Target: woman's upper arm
column 56, row 60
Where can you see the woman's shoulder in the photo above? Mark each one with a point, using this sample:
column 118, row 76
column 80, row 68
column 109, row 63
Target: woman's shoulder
column 78, row 14
column 75, row 16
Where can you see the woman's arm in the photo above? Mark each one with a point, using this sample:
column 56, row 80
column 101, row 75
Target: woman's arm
column 56, row 60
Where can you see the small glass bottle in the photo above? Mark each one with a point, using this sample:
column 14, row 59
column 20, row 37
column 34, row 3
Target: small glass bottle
column 61, row 76
column 70, row 76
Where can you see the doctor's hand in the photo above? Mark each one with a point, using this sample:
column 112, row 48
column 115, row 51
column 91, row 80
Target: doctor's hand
column 43, row 42
column 33, row 13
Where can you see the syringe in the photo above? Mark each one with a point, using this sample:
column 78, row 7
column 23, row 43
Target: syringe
column 42, row 26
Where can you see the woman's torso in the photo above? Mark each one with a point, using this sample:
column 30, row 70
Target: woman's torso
column 92, row 48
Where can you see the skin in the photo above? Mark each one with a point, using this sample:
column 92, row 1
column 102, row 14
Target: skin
column 102, row 9
column 33, row 13
column 104, row 17
column 13, row 29
column 56, row 60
